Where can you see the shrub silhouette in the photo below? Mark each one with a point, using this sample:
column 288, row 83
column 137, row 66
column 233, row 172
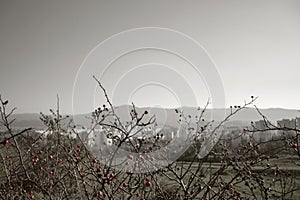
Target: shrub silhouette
column 58, row 165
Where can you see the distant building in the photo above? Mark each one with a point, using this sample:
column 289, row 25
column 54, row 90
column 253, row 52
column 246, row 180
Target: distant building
column 298, row 122
column 262, row 124
column 262, row 132
column 98, row 137
column 234, row 136
column 289, row 124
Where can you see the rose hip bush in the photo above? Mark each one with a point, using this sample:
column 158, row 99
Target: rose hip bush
column 59, row 163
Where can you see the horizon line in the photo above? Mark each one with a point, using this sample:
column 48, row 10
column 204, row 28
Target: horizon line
column 169, row 108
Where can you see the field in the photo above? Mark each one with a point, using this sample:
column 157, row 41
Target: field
column 289, row 182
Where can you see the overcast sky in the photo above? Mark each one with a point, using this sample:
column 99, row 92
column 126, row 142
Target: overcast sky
column 255, row 46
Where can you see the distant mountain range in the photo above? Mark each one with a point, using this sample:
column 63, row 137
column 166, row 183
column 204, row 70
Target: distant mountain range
column 170, row 117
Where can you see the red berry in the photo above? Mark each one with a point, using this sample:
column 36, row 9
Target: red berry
column 130, row 156
column 51, row 157
column 94, row 161
column 99, row 170
column 6, row 142
column 147, row 179
column 148, row 184
column 125, row 185
column 294, row 146
column 112, row 175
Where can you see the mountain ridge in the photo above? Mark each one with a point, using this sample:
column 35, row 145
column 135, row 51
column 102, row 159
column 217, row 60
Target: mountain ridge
column 169, row 116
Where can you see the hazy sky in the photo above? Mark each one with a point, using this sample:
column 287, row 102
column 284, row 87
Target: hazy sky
column 255, row 46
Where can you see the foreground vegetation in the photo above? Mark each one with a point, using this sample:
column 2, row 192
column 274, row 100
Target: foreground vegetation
column 61, row 166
